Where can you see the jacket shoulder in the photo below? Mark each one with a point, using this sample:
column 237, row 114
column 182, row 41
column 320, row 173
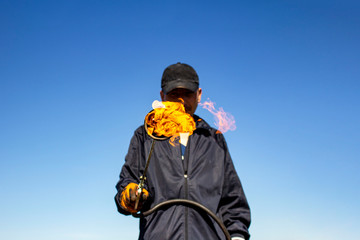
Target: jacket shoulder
column 202, row 127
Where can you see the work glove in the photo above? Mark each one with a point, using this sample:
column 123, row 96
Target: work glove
column 128, row 198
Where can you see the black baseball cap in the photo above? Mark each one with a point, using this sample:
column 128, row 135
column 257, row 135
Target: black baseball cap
column 179, row 75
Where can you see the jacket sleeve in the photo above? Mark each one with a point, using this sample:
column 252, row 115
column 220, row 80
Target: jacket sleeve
column 130, row 170
column 234, row 207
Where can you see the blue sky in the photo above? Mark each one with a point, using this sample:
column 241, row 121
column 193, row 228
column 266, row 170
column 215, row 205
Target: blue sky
column 77, row 78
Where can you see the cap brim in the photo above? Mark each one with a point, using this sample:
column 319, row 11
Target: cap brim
column 192, row 86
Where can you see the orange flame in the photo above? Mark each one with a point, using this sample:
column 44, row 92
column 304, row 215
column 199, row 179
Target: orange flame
column 169, row 121
column 224, row 121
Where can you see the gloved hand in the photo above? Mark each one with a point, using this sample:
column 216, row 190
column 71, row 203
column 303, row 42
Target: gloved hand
column 128, row 198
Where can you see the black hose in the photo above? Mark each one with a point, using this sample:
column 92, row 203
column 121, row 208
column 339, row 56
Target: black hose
column 187, row 203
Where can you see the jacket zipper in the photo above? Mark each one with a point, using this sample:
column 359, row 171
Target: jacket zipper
column 186, row 161
column 186, row 208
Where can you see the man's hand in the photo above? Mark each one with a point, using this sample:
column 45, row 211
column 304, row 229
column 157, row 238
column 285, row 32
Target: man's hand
column 128, row 198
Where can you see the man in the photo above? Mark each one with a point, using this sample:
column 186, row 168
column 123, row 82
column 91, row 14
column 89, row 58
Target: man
column 201, row 171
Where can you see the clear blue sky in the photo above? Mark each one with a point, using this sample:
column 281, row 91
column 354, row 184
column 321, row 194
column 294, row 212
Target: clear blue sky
column 77, row 78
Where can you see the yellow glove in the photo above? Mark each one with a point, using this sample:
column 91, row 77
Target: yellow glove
column 128, row 198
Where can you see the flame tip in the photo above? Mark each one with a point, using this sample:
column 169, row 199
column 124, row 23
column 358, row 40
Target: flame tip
column 223, row 121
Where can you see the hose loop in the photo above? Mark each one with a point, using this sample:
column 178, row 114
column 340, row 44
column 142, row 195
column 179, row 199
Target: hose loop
column 190, row 203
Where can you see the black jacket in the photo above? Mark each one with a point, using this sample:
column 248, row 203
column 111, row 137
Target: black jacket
column 206, row 175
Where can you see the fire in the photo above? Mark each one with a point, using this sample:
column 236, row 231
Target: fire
column 169, row 119
column 224, row 121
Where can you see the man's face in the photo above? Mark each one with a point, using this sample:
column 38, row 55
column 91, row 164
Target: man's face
column 191, row 99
